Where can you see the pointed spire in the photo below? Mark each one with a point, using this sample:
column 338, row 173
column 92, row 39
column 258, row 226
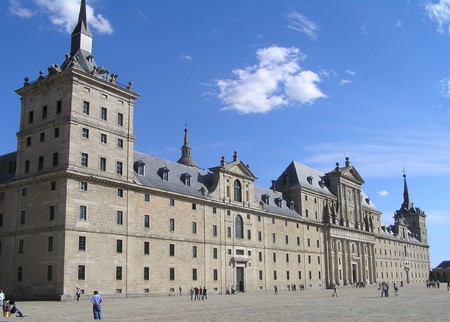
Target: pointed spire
column 186, row 158
column 406, row 205
column 81, row 35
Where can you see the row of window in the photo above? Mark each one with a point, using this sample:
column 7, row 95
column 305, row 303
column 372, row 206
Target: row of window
column 42, row 135
column 85, row 133
column 102, row 163
column 40, row 165
column 86, row 109
column 44, row 112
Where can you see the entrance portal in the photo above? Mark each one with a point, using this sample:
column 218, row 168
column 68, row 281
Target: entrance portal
column 240, row 279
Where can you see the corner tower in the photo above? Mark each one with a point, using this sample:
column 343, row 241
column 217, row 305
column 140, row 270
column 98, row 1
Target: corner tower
column 412, row 216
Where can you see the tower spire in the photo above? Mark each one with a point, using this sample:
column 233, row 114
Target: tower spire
column 81, row 35
column 406, row 203
column 186, row 158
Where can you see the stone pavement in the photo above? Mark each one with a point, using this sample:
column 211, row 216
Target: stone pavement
column 414, row 303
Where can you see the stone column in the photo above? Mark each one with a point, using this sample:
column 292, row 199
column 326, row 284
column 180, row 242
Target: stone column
column 344, row 261
column 369, row 262
column 374, row 277
column 330, row 259
column 349, row 263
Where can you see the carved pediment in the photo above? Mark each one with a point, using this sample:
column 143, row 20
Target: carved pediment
column 353, row 175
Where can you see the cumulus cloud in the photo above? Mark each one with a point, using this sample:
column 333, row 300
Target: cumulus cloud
column 439, row 13
column 445, row 87
column 301, row 23
column 276, row 81
column 63, row 14
column 383, row 193
column 344, row 81
column 350, row 72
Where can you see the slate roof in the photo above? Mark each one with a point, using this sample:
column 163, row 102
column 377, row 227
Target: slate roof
column 276, row 204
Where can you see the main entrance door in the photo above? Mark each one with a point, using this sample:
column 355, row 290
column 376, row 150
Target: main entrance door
column 240, row 278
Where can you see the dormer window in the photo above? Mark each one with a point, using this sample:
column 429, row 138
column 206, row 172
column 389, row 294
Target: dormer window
column 310, row 179
column 321, row 183
column 279, row 202
column 186, row 178
column 265, row 198
column 292, row 205
column 139, row 167
column 165, row 174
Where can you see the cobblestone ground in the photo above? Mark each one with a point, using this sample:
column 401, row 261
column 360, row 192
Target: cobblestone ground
column 414, row 303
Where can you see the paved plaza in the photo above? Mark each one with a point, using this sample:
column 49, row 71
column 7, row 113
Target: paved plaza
column 414, row 303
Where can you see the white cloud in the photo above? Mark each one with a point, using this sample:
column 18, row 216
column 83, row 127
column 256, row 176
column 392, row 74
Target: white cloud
column 350, row 72
column 383, row 193
column 276, row 81
column 301, row 23
column 398, row 23
column 63, row 14
column 445, row 87
column 439, row 13
column 185, row 57
column 16, row 9
column 344, row 81
column 423, row 153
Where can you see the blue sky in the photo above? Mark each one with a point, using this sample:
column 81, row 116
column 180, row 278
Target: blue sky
column 276, row 81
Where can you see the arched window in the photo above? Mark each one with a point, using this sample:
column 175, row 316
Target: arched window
column 237, row 191
column 239, row 227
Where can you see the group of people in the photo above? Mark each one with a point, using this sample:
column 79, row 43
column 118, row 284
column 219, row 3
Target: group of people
column 384, row 288
column 198, row 293
column 9, row 306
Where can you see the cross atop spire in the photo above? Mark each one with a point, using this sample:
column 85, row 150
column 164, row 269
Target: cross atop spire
column 186, row 158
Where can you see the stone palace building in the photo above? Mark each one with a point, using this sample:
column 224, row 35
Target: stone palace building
column 80, row 207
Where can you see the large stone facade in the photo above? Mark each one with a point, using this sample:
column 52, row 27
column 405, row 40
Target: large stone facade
column 80, row 207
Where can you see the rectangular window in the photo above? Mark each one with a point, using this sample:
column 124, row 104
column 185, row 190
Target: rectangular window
column 147, row 197
column 120, row 119
column 120, row 143
column 146, row 248
column 30, row 117
column 275, row 275
column 83, row 212
column 214, row 231
column 104, row 114
column 49, row 272
column 119, row 168
column 102, row 165
column 53, row 186
column 172, row 249
column 21, row 246
column 44, row 112
column 52, row 212
column 103, row 138
column 119, row 246
column 215, row 252
column 81, row 243
column 229, row 232
column 172, row 202
column 194, row 274
column 58, row 107
column 28, row 141
column 194, row 206
column 260, row 275
column 287, row 258
column 259, row 236
column 287, row 275
column 42, row 137
column 56, row 132
column 260, row 256
column 84, row 159
column 19, row 273
column 215, row 275
column 274, row 257
column 1, row 220
column 27, row 166
column 120, row 192
column 81, row 272
column 298, row 241
column 83, row 186
column 249, row 234
column 146, row 273
column 24, row 192
column 172, row 274
column 172, row 224
column 194, row 227
column 119, row 273
column 214, row 210
column 194, row 251
column 147, row 221
column 119, row 217
column 287, row 239
column 41, row 163
column 274, row 237
column 85, row 133
column 86, row 108
column 55, row 159
column 22, row 217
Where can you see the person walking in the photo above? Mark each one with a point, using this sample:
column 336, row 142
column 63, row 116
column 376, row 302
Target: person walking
column 335, row 293
column 96, row 299
column 78, row 293
column 2, row 297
